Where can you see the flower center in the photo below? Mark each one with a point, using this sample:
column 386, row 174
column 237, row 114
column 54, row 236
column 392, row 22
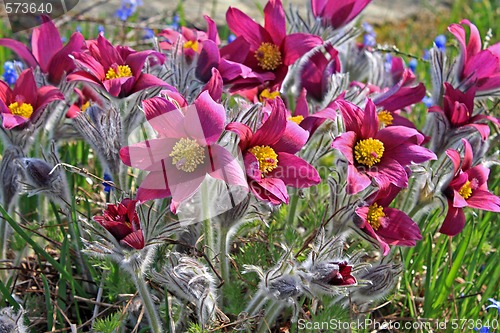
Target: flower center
column 466, row 189
column 296, row 119
column 191, row 44
column 375, row 212
column 268, row 56
column 267, row 94
column 85, row 106
column 118, row 72
column 369, row 151
column 385, row 118
column 267, row 157
column 187, row 154
column 24, row 110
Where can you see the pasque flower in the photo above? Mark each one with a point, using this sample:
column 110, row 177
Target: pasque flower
column 476, row 67
column 118, row 70
column 269, row 155
column 25, row 101
column 468, row 188
column 336, row 14
column 47, row 50
column 266, row 49
column 458, row 108
column 184, row 152
column 388, row 226
column 122, row 221
column 373, row 154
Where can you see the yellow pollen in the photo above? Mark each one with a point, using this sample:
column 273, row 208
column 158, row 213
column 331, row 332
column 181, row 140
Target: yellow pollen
column 466, row 190
column 296, row 119
column 193, row 45
column 375, row 212
column 267, row 158
column 24, row 110
column 85, row 106
column 266, row 94
column 268, row 56
column 121, row 71
column 187, row 154
column 369, row 151
column 385, row 118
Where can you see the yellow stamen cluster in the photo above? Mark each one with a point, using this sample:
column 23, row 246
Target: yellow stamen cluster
column 375, row 213
column 24, row 110
column 267, row 94
column 120, row 71
column 187, row 154
column 85, row 106
column 296, row 119
column 466, row 190
column 267, row 158
column 192, row 44
column 385, row 118
column 369, row 151
column 268, row 56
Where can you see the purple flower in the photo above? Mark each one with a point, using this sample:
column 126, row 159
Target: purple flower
column 336, row 13
column 184, row 152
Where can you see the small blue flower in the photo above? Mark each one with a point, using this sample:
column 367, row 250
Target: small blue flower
column 10, row 74
column 412, row 64
column 388, row 62
column 368, row 28
column 369, row 40
column 149, row 33
column 100, row 28
column 495, row 304
column 176, row 21
column 427, row 55
column 107, row 187
column 127, row 9
column 483, row 329
column 78, row 29
column 231, row 38
column 428, row 101
column 440, row 42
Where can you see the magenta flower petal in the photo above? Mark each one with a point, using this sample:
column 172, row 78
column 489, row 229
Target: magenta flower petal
column 455, row 159
column 224, row 166
column 243, row 131
column 205, row 121
column 26, row 87
column 356, row 181
column 467, row 161
column 399, row 228
column 61, row 61
column 295, row 172
column 272, row 130
column 91, row 66
column 135, row 240
column 214, row 86
column 484, row 200
column 22, row 51
column 275, row 23
column 164, row 117
column 115, row 86
column 275, row 188
column 454, row 221
column 45, row 43
column 345, row 144
column 184, row 185
column 148, row 155
column 46, row 95
column 242, row 25
column 153, row 186
column 296, row 45
column 9, row 121
column 252, row 167
column 394, row 136
column 407, row 153
column 147, row 81
column 292, row 140
column 458, row 201
column 389, row 172
column 136, row 60
column 209, row 58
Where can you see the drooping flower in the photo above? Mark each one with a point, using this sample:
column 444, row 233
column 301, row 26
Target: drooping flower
column 268, row 49
column 388, row 226
column 373, row 154
column 118, row 70
column 337, row 14
column 458, row 108
column 476, row 67
column 269, row 155
column 47, row 50
column 184, row 152
column 122, row 221
column 25, row 101
column 468, row 188
column 332, row 273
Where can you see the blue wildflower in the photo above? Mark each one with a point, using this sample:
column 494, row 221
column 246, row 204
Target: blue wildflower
column 412, row 64
column 483, row 329
column 148, row 33
column 127, row 9
column 107, row 187
column 369, row 40
column 231, row 38
column 388, row 62
column 368, row 28
column 176, row 20
column 427, row 55
column 100, row 28
column 78, row 29
column 428, row 101
column 440, row 42
column 495, row 304
column 10, row 74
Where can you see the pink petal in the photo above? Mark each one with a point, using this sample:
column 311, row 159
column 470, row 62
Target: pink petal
column 214, row 86
column 345, row 144
column 387, row 172
column 243, row 131
column 21, row 50
column 212, row 33
column 356, row 181
column 90, row 65
column 399, row 228
column 61, row 61
column 134, row 240
column 484, row 200
column 454, row 221
column 292, row 140
column 294, row 171
column 455, row 159
column 296, row 45
column 468, row 156
column 146, row 81
column 153, row 186
column 119, row 87
column 205, row 120
column 242, row 25
column 274, row 127
column 209, row 58
column 164, row 117
column 275, row 22
column 224, row 166
column 26, row 87
column 148, row 155
column 9, row 121
column 46, row 95
column 45, row 43
column 270, row 189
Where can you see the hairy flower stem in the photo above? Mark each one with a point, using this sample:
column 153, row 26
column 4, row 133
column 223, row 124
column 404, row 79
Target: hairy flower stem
column 256, row 303
column 292, row 209
column 150, row 309
column 273, row 310
column 208, row 231
column 224, row 245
